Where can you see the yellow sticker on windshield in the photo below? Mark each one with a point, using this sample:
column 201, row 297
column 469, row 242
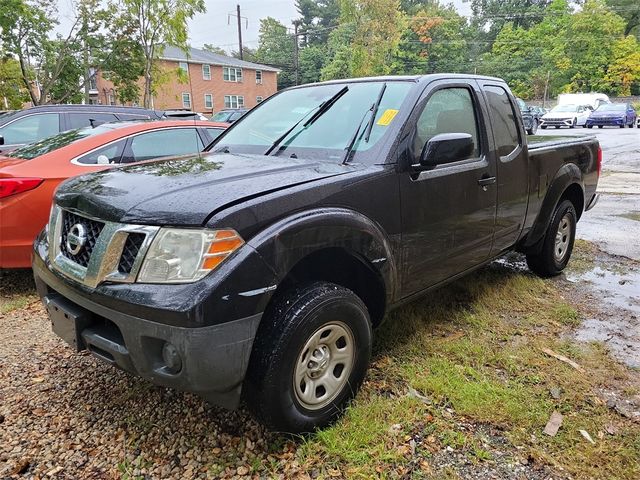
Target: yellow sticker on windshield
column 387, row 116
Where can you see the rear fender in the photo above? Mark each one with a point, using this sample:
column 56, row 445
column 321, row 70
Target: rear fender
column 285, row 243
column 569, row 174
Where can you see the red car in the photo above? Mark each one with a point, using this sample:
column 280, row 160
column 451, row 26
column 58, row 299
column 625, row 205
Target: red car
column 30, row 174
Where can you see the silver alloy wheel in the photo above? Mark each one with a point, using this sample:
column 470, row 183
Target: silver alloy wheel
column 324, row 365
column 563, row 238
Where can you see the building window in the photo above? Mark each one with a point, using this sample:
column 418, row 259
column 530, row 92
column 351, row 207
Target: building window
column 233, row 101
column 259, row 99
column 259, row 77
column 184, row 66
column 206, row 72
column 232, row 74
column 186, row 100
column 208, row 101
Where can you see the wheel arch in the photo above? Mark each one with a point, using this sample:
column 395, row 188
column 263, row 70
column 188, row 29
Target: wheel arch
column 336, row 245
column 566, row 185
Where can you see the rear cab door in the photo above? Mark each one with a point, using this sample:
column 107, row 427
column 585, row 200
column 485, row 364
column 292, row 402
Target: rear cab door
column 448, row 212
column 512, row 165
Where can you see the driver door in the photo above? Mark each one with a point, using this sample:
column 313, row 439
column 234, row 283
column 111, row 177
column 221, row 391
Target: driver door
column 448, row 212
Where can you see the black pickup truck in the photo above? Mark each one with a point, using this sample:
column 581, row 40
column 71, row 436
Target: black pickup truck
column 258, row 270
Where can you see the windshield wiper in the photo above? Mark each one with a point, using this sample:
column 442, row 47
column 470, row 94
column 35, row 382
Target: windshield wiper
column 320, row 110
column 374, row 110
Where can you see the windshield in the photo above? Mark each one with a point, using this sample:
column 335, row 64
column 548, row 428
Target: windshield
column 565, row 108
column 49, row 144
column 221, row 116
column 325, row 137
column 521, row 104
column 612, row 107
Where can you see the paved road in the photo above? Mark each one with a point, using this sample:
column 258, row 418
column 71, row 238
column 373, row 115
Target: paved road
column 614, row 223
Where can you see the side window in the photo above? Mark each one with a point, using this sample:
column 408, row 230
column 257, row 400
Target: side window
column 449, row 110
column 81, row 120
column 105, row 155
column 214, row 132
column 164, row 143
column 503, row 120
column 31, row 128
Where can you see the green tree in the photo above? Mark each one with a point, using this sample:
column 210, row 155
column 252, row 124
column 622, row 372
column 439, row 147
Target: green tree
column 591, row 36
column 12, row 91
column 158, row 23
column 276, row 48
column 317, row 19
column 624, row 71
column 312, row 59
column 373, row 40
column 630, row 11
column 434, row 41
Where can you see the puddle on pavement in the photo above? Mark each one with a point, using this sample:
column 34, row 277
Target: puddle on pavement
column 612, row 282
column 617, row 323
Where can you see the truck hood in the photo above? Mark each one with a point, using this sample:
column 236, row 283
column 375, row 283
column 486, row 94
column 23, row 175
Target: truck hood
column 186, row 190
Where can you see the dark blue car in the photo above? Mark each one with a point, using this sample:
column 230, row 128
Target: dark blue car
column 614, row 115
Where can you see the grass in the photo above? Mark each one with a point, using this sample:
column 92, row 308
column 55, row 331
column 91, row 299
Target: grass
column 474, row 349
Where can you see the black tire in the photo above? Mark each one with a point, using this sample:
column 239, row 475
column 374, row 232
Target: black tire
column 575, row 122
column 294, row 319
column 557, row 127
column 600, row 126
column 534, row 128
column 589, row 126
column 621, row 126
column 544, row 127
column 546, row 263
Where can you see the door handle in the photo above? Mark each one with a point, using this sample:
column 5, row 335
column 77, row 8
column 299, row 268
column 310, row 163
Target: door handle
column 484, row 181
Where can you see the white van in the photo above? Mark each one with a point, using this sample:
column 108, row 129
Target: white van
column 594, row 100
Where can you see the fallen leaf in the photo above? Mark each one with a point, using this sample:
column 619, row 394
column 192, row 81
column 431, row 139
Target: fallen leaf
column 586, row 435
column 553, row 425
column 413, row 393
column 611, row 429
column 562, row 358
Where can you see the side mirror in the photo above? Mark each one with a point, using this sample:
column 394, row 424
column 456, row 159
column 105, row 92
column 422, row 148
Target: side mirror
column 1, row 140
column 446, row 148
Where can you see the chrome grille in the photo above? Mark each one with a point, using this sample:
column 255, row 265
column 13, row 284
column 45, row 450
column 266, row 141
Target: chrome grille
column 110, row 252
column 130, row 252
column 92, row 228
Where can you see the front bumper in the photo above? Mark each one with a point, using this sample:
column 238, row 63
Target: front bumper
column 213, row 357
column 610, row 122
column 556, row 122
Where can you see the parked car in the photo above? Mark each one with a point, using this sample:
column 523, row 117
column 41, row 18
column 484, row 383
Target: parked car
column 530, row 117
column 229, row 115
column 565, row 116
column 260, row 269
column 183, row 115
column 613, row 114
column 539, row 110
column 30, row 174
column 36, row 123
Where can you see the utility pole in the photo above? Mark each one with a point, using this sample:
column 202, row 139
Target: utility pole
column 240, row 18
column 239, row 30
column 296, row 46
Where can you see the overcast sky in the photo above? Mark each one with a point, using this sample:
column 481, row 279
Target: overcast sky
column 215, row 27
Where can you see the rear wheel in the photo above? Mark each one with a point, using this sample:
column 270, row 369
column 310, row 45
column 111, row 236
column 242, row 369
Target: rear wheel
column 557, row 243
column 310, row 356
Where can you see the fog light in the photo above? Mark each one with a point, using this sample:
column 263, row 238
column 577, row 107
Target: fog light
column 171, row 358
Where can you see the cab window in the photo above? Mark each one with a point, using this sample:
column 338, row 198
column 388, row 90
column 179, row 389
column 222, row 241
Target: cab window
column 164, row 143
column 448, row 110
column 31, row 128
column 109, row 154
column 503, row 120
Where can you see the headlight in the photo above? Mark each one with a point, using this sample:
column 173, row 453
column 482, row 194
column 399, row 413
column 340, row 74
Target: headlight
column 179, row 255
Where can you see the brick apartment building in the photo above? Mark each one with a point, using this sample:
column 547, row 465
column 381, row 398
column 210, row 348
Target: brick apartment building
column 210, row 82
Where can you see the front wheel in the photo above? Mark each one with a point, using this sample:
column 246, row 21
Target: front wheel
column 575, row 122
column 557, row 243
column 544, row 127
column 310, row 356
column 534, row 128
